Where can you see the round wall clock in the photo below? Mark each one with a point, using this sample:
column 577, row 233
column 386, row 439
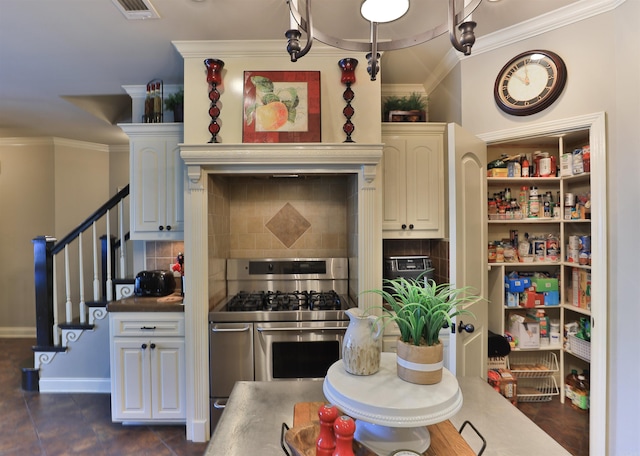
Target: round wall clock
column 530, row 82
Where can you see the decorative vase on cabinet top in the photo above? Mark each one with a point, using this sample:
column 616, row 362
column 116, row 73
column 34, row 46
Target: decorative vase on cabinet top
column 362, row 343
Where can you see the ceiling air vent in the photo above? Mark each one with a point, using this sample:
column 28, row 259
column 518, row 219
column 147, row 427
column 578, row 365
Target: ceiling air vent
column 137, row 9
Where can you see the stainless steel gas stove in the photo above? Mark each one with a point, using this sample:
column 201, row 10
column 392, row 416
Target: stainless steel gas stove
column 283, row 319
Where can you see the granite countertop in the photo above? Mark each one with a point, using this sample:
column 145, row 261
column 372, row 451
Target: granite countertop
column 252, row 421
column 170, row 303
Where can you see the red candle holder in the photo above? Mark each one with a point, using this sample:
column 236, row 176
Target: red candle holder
column 214, row 78
column 348, row 67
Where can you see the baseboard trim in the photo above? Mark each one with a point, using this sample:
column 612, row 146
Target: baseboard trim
column 20, row 332
column 75, row 385
column 197, row 430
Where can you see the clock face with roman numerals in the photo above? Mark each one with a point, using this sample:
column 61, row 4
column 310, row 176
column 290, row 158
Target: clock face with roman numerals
column 530, row 82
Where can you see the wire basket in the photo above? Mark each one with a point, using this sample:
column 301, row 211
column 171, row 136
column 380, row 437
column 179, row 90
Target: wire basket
column 580, row 348
column 532, row 364
column 537, row 389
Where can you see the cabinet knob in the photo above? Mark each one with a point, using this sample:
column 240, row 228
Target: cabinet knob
column 143, row 346
column 404, row 226
column 168, row 227
column 161, row 227
column 153, row 346
column 468, row 327
column 411, row 226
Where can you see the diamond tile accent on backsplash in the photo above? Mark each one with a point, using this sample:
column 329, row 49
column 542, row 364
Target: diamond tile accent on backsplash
column 288, row 225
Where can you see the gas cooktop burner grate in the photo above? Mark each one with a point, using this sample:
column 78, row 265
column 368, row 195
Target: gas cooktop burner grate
column 282, row 301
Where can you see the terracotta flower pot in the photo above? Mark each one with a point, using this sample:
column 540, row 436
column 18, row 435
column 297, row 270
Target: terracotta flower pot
column 420, row 364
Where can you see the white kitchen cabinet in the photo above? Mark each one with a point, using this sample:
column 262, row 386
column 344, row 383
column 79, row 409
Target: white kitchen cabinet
column 413, row 180
column 147, row 367
column 557, row 138
column 157, row 175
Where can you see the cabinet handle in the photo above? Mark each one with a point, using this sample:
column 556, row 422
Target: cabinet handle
column 143, row 346
column 161, row 227
column 404, row 226
column 168, row 227
column 148, row 328
column 468, row 327
column 153, row 346
column 411, row 226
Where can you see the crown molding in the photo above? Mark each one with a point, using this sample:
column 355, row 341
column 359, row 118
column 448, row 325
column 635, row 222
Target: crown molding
column 530, row 28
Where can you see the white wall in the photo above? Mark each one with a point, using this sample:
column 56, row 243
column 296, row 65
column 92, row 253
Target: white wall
column 47, row 187
column 603, row 75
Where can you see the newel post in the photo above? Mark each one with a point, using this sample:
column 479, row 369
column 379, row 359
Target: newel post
column 43, row 275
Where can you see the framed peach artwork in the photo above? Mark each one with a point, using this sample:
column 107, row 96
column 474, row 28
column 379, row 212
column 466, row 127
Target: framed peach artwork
column 281, row 107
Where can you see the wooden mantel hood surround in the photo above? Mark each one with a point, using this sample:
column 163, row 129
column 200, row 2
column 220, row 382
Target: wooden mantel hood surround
column 359, row 161
column 315, row 158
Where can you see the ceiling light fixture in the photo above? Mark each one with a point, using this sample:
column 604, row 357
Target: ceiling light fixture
column 381, row 11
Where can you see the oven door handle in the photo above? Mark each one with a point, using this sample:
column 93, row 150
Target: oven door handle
column 326, row 328
column 246, row 328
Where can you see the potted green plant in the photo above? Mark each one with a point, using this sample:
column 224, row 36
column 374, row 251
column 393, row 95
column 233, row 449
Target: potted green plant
column 412, row 107
column 175, row 102
column 421, row 310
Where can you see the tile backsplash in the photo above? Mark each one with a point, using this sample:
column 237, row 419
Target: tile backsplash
column 162, row 254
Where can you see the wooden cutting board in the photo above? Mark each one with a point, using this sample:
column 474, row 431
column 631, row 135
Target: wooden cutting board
column 445, row 439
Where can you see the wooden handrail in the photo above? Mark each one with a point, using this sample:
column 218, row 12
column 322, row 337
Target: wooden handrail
column 92, row 218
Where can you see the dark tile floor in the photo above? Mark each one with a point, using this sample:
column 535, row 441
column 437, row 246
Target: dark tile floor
column 80, row 424
column 71, row 424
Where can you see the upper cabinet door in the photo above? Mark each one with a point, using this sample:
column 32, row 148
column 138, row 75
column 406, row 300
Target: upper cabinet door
column 157, row 175
column 413, row 181
column 468, row 247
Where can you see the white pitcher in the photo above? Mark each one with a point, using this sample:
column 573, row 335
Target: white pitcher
column 362, row 345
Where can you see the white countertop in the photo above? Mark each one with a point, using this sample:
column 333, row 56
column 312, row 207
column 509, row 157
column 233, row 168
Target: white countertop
column 252, row 422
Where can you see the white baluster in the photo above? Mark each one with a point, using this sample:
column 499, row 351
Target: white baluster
column 67, row 285
column 56, row 320
column 123, row 245
column 96, row 278
column 109, row 283
column 81, row 305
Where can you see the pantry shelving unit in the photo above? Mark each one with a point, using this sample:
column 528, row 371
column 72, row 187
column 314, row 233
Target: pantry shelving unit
column 501, row 227
column 557, row 137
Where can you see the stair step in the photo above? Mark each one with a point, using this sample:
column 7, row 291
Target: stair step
column 49, row 348
column 76, row 325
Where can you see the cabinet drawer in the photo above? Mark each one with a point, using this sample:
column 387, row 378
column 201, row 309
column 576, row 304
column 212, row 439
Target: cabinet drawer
column 147, row 324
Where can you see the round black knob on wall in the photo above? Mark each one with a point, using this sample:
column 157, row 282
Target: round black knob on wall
column 161, row 227
column 168, row 227
column 411, row 226
column 153, row 346
column 144, row 346
column 404, row 226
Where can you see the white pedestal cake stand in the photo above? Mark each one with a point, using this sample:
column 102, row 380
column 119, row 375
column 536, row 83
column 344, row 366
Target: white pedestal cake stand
column 390, row 413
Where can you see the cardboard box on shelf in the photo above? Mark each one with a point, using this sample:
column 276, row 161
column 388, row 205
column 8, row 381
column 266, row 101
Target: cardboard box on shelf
column 544, row 284
column 513, row 299
column 581, row 288
column 551, row 298
column 517, row 285
column 530, row 299
column 498, row 172
column 526, row 331
column 503, row 381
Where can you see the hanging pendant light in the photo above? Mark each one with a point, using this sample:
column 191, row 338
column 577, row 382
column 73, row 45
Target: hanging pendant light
column 376, row 12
